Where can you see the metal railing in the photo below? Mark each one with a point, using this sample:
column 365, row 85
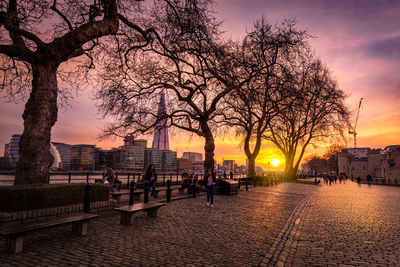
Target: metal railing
column 92, row 177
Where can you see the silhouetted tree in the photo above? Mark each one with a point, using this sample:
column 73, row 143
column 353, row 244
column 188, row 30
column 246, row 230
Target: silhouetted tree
column 36, row 38
column 250, row 108
column 315, row 110
column 187, row 61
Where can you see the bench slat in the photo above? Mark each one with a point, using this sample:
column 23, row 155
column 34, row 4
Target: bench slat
column 139, row 207
column 32, row 226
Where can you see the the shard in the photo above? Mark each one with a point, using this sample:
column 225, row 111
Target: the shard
column 161, row 140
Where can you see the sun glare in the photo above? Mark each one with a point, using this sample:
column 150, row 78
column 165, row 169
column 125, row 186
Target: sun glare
column 275, row 162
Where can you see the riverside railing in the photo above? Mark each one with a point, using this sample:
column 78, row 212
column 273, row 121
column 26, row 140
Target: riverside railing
column 92, row 177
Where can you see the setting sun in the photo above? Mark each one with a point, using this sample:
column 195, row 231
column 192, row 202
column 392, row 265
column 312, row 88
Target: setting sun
column 275, row 162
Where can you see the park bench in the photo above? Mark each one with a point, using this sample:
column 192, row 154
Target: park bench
column 127, row 212
column 118, row 195
column 14, row 233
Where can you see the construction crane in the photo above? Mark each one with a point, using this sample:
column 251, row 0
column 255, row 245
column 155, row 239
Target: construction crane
column 353, row 131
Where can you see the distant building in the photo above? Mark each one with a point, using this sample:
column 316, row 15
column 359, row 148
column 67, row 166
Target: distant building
column 229, row 164
column 5, row 150
column 169, row 161
column 4, row 163
column 12, row 153
column 83, row 157
column 129, row 158
column 161, row 140
column 154, row 156
column 382, row 164
column 130, row 140
column 184, row 165
column 65, row 153
column 193, row 156
column 12, row 150
column 103, row 158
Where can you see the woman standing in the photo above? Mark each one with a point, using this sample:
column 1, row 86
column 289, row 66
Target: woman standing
column 210, row 183
column 151, row 178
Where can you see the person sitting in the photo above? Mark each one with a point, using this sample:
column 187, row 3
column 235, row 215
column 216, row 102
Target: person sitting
column 186, row 181
column 109, row 176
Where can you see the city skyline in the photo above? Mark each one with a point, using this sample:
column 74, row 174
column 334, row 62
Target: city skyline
column 359, row 42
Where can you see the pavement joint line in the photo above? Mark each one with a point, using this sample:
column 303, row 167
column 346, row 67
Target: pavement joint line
column 282, row 252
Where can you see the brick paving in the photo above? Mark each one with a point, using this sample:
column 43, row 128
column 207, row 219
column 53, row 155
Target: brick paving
column 285, row 225
column 347, row 225
column 238, row 231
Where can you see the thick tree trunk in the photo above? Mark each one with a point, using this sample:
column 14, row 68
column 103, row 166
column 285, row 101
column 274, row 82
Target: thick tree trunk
column 251, row 170
column 209, row 148
column 39, row 117
column 290, row 171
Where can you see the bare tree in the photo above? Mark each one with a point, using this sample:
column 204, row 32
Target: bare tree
column 249, row 109
column 315, row 111
column 187, row 61
column 36, row 38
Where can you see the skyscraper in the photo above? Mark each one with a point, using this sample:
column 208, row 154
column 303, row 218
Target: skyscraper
column 160, row 140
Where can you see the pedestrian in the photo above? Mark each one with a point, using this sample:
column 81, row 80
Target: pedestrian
column 231, row 175
column 359, row 181
column 151, row 179
column 369, row 179
column 209, row 181
column 224, row 175
column 109, row 176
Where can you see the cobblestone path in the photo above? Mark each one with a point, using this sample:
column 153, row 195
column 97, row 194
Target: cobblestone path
column 239, row 231
column 347, row 225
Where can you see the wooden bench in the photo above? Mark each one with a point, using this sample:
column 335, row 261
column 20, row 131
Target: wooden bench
column 127, row 212
column 14, row 233
column 118, row 195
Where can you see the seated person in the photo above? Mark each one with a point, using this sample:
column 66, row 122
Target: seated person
column 186, row 181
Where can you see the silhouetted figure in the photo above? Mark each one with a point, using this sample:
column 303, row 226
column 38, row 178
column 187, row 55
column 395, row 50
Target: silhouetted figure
column 151, row 179
column 359, row 181
column 231, row 175
column 369, row 179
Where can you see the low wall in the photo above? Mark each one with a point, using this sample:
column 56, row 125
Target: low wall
column 20, row 216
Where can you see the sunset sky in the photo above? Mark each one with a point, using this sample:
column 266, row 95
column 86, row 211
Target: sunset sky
column 359, row 40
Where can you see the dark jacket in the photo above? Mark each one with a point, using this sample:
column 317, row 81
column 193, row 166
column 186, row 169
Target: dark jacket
column 148, row 175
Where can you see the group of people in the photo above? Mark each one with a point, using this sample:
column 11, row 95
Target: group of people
column 150, row 181
column 333, row 178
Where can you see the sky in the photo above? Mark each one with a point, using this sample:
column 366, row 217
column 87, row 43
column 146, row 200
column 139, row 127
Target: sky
column 359, row 41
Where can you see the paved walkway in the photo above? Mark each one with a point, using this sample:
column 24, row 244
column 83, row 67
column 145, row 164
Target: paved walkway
column 286, row 225
column 347, row 225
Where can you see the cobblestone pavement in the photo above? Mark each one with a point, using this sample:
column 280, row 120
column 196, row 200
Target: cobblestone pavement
column 347, row 225
column 239, row 231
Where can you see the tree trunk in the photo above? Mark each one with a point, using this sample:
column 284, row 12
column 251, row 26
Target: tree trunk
column 251, row 171
column 39, row 117
column 290, row 172
column 209, row 148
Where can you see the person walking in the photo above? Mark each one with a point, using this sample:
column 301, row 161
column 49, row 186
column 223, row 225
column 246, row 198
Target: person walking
column 369, row 179
column 109, row 176
column 231, row 175
column 209, row 181
column 151, row 179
